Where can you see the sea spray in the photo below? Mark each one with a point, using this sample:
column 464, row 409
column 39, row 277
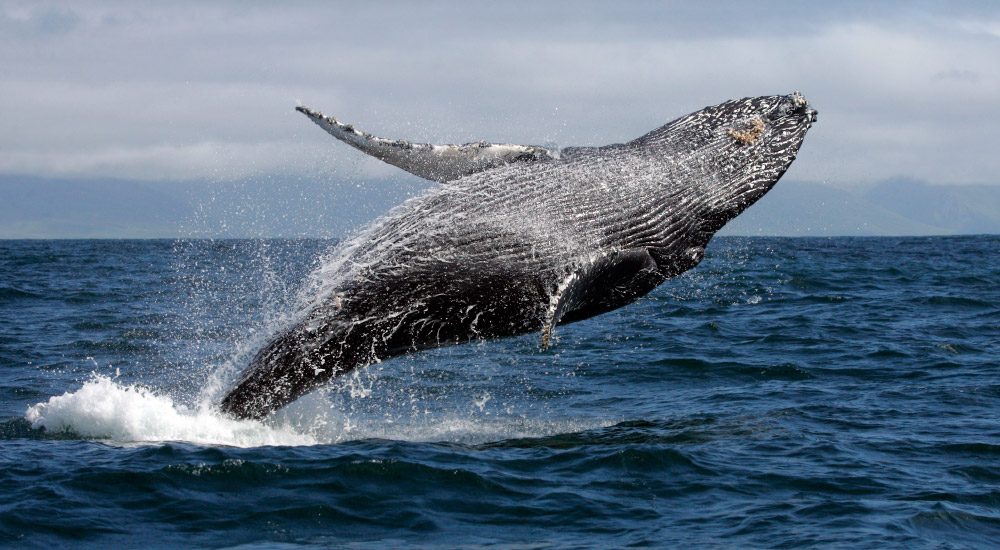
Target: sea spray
column 213, row 304
column 107, row 410
column 104, row 409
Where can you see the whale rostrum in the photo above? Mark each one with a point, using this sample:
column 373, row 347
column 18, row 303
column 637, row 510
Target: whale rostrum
column 521, row 239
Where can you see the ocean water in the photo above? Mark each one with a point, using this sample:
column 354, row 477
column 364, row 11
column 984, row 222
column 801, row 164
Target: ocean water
column 785, row 393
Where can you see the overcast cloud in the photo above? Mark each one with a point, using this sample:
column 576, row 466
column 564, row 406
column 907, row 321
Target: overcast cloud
column 184, row 91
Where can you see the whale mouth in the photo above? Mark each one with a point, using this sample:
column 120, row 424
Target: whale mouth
column 795, row 105
column 787, row 117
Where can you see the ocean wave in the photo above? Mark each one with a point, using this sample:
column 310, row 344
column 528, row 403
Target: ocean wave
column 8, row 293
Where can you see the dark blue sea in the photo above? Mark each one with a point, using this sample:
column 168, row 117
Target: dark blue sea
column 785, row 393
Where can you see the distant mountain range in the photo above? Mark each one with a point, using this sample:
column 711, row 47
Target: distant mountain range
column 269, row 207
column 894, row 207
column 273, row 207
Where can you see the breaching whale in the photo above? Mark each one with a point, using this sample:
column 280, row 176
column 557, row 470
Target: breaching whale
column 519, row 239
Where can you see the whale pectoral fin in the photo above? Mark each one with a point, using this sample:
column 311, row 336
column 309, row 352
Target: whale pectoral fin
column 562, row 298
column 603, row 284
column 434, row 162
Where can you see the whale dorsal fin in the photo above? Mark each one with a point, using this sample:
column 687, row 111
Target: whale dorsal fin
column 601, row 284
column 435, row 162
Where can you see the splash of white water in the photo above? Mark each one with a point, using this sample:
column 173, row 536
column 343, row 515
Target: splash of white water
column 106, row 410
column 103, row 409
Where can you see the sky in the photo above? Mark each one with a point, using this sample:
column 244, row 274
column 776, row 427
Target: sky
column 191, row 91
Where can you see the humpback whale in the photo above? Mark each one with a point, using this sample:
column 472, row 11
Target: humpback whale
column 520, row 238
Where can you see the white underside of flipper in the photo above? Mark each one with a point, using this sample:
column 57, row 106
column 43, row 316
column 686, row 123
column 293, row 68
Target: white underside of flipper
column 434, row 162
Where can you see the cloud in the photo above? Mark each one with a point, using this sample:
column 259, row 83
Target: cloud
column 28, row 21
column 989, row 27
column 960, row 75
column 192, row 91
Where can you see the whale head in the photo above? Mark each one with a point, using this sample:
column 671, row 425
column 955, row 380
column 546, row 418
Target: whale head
column 750, row 144
column 715, row 163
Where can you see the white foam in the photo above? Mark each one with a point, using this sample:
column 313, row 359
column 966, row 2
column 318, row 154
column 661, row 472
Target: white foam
column 103, row 409
column 106, row 410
